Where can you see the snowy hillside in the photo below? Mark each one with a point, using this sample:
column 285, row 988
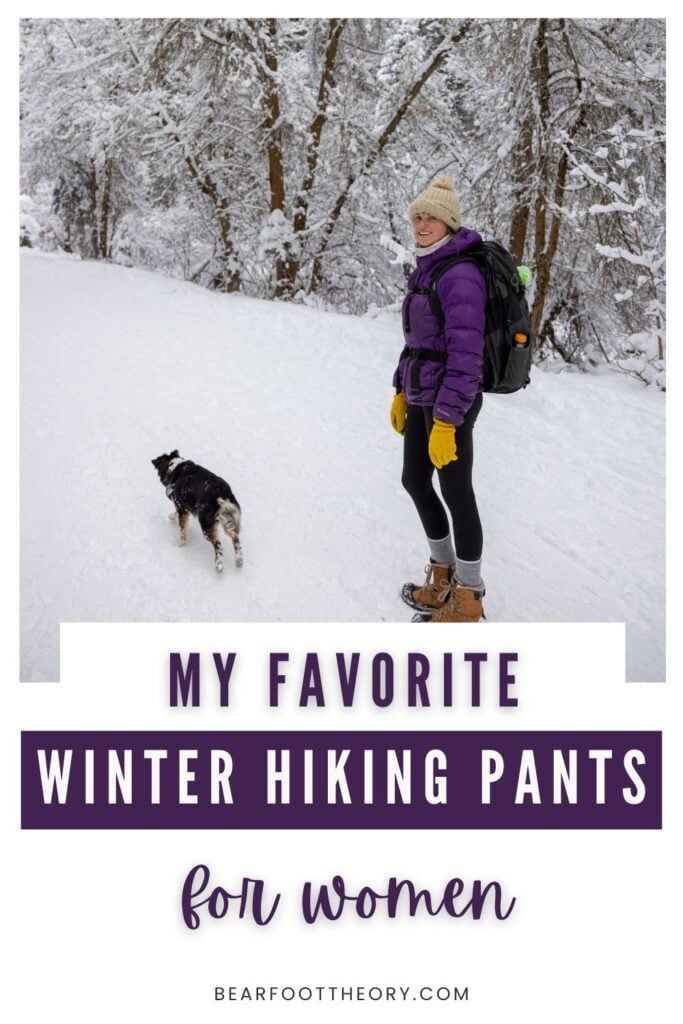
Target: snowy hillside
column 290, row 405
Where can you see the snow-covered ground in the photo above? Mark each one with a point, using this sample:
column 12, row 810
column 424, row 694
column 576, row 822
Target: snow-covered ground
column 290, row 405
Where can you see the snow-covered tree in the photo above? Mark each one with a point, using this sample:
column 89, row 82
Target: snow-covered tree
column 573, row 162
column 278, row 156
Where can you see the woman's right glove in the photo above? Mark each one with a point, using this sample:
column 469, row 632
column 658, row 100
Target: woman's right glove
column 442, row 446
column 397, row 413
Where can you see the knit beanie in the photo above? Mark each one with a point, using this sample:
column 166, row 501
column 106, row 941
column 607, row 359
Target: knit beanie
column 441, row 201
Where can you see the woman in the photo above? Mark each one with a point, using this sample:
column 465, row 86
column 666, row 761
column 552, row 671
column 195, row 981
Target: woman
column 437, row 401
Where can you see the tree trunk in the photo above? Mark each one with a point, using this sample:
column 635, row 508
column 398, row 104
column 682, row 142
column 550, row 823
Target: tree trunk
column 302, row 201
column 549, row 329
column 522, row 171
column 104, row 233
column 437, row 59
column 546, row 249
column 276, row 173
column 545, row 259
column 94, row 219
column 540, row 76
column 228, row 279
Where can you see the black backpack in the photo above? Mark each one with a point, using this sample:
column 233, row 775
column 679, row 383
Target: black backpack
column 508, row 339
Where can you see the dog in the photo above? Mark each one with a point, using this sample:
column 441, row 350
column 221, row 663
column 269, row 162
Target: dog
column 196, row 490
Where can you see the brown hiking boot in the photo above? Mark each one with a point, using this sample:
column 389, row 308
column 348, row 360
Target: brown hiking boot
column 433, row 593
column 463, row 605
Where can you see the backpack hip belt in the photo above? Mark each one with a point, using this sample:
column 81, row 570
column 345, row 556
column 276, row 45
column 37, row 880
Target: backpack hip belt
column 421, row 355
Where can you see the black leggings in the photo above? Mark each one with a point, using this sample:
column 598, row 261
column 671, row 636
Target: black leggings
column 455, row 481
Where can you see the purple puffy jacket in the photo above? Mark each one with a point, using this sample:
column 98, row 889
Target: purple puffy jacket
column 453, row 382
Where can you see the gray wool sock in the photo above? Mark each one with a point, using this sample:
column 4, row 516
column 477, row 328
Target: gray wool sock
column 442, row 551
column 468, row 573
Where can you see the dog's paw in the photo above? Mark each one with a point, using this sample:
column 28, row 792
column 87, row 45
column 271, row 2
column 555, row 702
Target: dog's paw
column 239, row 561
column 219, row 567
column 181, row 542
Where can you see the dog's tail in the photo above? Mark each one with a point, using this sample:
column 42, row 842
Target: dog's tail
column 228, row 514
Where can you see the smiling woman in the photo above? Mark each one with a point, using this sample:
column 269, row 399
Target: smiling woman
column 428, row 229
column 438, row 385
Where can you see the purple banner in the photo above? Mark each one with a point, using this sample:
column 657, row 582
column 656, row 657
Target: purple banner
column 346, row 780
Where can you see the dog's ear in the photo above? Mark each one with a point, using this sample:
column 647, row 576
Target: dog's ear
column 174, row 454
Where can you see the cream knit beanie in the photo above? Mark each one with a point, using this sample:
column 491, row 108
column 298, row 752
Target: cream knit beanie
column 441, row 201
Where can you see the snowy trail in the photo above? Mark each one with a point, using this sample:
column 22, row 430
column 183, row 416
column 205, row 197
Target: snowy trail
column 290, row 405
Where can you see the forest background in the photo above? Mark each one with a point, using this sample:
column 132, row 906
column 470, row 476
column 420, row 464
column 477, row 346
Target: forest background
column 276, row 158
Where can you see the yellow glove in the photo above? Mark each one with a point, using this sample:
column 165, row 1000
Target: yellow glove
column 442, row 446
column 397, row 414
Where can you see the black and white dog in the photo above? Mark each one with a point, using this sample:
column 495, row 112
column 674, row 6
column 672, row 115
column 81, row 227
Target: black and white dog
column 193, row 489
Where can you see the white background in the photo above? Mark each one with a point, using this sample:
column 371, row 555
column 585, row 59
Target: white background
column 98, row 913
column 90, row 920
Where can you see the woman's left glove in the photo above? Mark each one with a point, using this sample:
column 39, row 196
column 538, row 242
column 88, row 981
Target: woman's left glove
column 397, row 413
column 442, row 446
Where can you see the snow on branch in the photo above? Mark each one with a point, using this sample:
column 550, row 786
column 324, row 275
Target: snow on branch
column 650, row 259
column 618, row 207
column 402, row 254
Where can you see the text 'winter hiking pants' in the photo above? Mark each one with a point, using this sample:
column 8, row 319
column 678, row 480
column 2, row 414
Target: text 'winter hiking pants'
column 455, row 481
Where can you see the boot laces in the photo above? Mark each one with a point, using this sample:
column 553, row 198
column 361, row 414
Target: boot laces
column 457, row 594
column 444, row 588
